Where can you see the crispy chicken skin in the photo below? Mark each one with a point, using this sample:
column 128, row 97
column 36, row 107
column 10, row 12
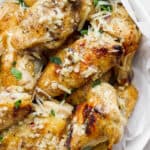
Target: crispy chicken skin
column 127, row 96
column 119, row 24
column 47, row 22
column 14, row 106
column 118, row 103
column 41, row 130
column 88, row 57
column 97, row 120
column 28, row 65
column 18, row 75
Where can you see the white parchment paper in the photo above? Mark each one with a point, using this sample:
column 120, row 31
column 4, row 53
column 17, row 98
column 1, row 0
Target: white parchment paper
column 137, row 132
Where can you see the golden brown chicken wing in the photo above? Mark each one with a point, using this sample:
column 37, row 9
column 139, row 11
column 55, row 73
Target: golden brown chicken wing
column 41, row 130
column 88, row 57
column 127, row 95
column 14, row 106
column 117, row 22
column 112, row 18
column 20, row 69
column 47, row 22
column 97, row 120
column 18, row 76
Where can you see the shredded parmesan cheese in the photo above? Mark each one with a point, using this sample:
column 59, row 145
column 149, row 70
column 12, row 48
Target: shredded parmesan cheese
column 90, row 71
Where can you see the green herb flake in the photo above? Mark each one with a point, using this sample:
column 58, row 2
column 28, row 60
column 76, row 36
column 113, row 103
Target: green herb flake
column 84, row 32
column 65, row 96
column 101, row 31
column 16, row 73
column 18, row 103
column 22, row 3
column 14, row 63
column 106, row 8
column 103, row 7
column 95, row 2
column 56, row 60
column 96, row 82
column 52, row 113
column 1, row 138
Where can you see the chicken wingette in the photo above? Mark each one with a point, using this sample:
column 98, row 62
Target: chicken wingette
column 14, row 106
column 97, row 120
column 112, row 18
column 41, row 130
column 47, row 23
column 126, row 101
column 85, row 59
column 18, row 75
column 127, row 95
column 20, row 69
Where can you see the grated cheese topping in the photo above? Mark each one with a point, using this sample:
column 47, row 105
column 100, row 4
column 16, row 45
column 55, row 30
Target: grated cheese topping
column 55, row 85
column 90, row 71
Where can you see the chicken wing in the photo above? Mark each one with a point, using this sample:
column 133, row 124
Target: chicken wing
column 21, row 69
column 126, row 101
column 127, row 95
column 14, row 106
column 47, row 23
column 112, row 18
column 18, row 76
column 88, row 57
column 117, row 22
column 41, row 130
column 97, row 120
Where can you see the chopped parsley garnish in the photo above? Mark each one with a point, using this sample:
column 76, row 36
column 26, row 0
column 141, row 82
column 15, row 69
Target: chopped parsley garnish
column 95, row 2
column 16, row 73
column 22, row 3
column 84, row 32
column 106, row 8
column 101, row 31
column 88, row 148
column 96, row 82
column 65, row 96
column 52, row 113
column 56, row 60
column 17, row 103
column 103, row 7
column 1, row 138
column 14, row 63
